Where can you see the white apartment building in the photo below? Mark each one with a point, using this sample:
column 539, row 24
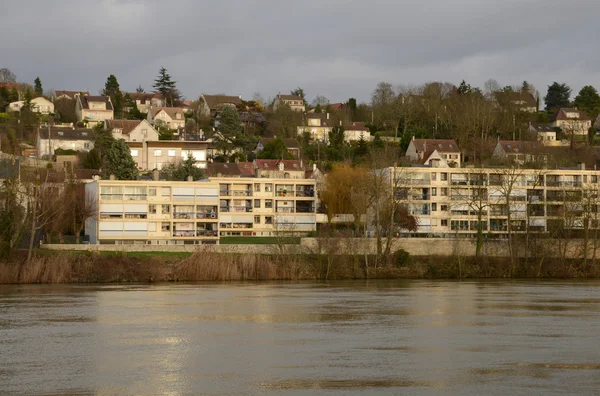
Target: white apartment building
column 199, row 212
column 448, row 202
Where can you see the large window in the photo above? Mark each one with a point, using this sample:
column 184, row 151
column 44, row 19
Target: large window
column 171, row 153
column 157, row 153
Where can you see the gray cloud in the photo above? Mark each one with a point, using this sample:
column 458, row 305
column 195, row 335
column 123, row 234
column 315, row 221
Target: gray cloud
column 336, row 48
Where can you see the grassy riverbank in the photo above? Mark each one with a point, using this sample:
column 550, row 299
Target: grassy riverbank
column 88, row 267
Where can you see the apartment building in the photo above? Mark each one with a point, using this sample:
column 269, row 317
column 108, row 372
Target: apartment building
column 448, row 202
column 199, row 212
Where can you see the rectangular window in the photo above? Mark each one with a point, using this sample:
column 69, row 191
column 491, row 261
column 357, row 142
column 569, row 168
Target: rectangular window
column 434, row 207
column 268, row 203
column 152, row 191
column 443, row 176
column 444, row 223
column 257, row 203
column 256, row 187
column 171, row 153
column 434, row 176
column 256, row 219
column 166, row 191
column 268, row 220
column 152, row 209
column 594, row 179
column 165, row 227
column 434, row 192
column 268, row 187
column 444, row 208
column 165, row 209
column 444, row 192
column 157, row 153
column 134, row 153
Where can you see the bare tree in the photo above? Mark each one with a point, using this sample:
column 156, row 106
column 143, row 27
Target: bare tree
column 7, row 76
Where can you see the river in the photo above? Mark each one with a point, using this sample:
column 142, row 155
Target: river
column 350, row 338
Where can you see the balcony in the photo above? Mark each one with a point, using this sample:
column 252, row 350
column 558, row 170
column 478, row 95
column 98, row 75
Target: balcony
column 285, row 210
column 180, row 234
column 207, row 215
column 207, row 233
column 419, row 197
column 111, row 197
column 236, row 209
column 283, row 193
column 305, row 210
column 183, row 215
column 305, row 193
column 134, row 197
column 241, row 193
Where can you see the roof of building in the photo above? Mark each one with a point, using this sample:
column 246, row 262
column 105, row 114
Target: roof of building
column 290, row 143
column 542, row 127
column 355, row 126
column 60, row 133
column 252, row 117
column 290, row 97
column 126, row 126
column 213, row 101
column 335, row 106
column 223, row 169
column 246, row 168
column 441, row 145
column 325, row 121
column 70, row 94
column 561, row 115
column 85, row 101
column 516, row 96
column 518, row 147
column 143, row 97
column 171, row 111
column 270, row 164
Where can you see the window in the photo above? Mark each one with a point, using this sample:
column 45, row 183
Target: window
column 444, row 192
column 165, row 209
column 134, row 153
column 434, row 192
column 86, row 145
column 268, row 187
column 434, row 176
column 152, row 191
column 594, row 179
column 268, row 203
column 434, row 207
column 166, row 191
column 256, row 219
column 157, row 153
column 443, row 176
column 152, row 209
column 444, row 223
column 256, row 187
column 165, row 227
column 268, row 219
column 444, row 208
column 171, row 153
column 257, row 203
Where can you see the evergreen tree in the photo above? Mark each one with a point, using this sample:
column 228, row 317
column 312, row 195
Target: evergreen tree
column 588, row 100
column 464, row 88
column 27, row 105
column 558, row 96
column 336, row 137
column 112, row 90
column 133, row 113
column 119, row 161
column 39, row 91
column 4, row 98
column 92, row 160
column 139, row 89
column 275, row 149
column 362, row 148
column 181, row 171
column 378, row 142
column 166, row 87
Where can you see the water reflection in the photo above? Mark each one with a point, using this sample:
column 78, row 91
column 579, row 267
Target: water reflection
column 387, row 337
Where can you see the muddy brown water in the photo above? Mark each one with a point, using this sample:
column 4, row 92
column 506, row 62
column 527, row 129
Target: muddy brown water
column 347, row 338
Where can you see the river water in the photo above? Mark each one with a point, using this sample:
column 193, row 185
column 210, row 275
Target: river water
column 350, row 338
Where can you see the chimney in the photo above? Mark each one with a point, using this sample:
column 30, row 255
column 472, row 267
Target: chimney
column 581, row 166
column 96, row 177
column 190, row 178
column 327, row 115
column 112, row 177
column 155, row 175
column 314, row 167
column 413, row 137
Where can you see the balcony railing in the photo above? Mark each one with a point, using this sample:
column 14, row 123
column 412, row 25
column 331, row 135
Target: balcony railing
column 285, row 210
column 537, row 213
column 305, row 193
column 184, row 233
column 207, row 215
column 134, row 197
column 183, row 215
column 282, row 193
column 305, row 210
column 207, row 233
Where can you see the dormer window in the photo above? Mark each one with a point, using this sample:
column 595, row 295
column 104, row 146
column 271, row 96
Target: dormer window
column 83, row 133
column 61, row 133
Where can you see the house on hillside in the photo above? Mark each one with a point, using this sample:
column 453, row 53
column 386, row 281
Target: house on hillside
column 132, row 130
column 157, row 154
column 521, row 100
column 355, row 131
column 93, row 109
column 572, row 121
column 50, row 138
column 143, row 101
column 544, row 133
column 292, row 145
column 39, row 105
column 68, row 94
column 520, row 152
column 170, row 117
column 424, row 151
column 318, row 125
column 279, row 169
column 210, row 105
column 295, row 102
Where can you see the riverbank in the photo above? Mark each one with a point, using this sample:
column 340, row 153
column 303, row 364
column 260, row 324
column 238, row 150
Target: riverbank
column 116, row 267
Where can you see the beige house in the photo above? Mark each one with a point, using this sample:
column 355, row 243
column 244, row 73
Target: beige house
column 295, row 102
column 545, row 134
column 210, row 105
column 170, row 117
column 93, row 109
column 39, row 105
column 282, row 169
column 159, row 153
column 520, row 100
column 572, row 121
column 355, row 131
column 520, row 152
column 51, row 138
column 68, row 94
column 132, row 130
column 318, row 125
column 421, row 150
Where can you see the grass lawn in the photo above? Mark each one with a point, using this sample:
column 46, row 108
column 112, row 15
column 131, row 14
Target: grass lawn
column 245, row 240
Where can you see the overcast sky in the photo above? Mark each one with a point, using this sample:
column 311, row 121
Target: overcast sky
column 336, row 48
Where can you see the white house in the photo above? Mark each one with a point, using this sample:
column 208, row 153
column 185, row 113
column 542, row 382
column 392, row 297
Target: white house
column 38, row 105
column 171, row 117
column 421, row 150
column 355, row 131
column 51, row 138
column 132, row 130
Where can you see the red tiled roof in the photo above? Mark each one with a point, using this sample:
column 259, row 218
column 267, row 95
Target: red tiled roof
column 561, row 115
column 126, row 126
column 246, row 168
column 441, row 145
